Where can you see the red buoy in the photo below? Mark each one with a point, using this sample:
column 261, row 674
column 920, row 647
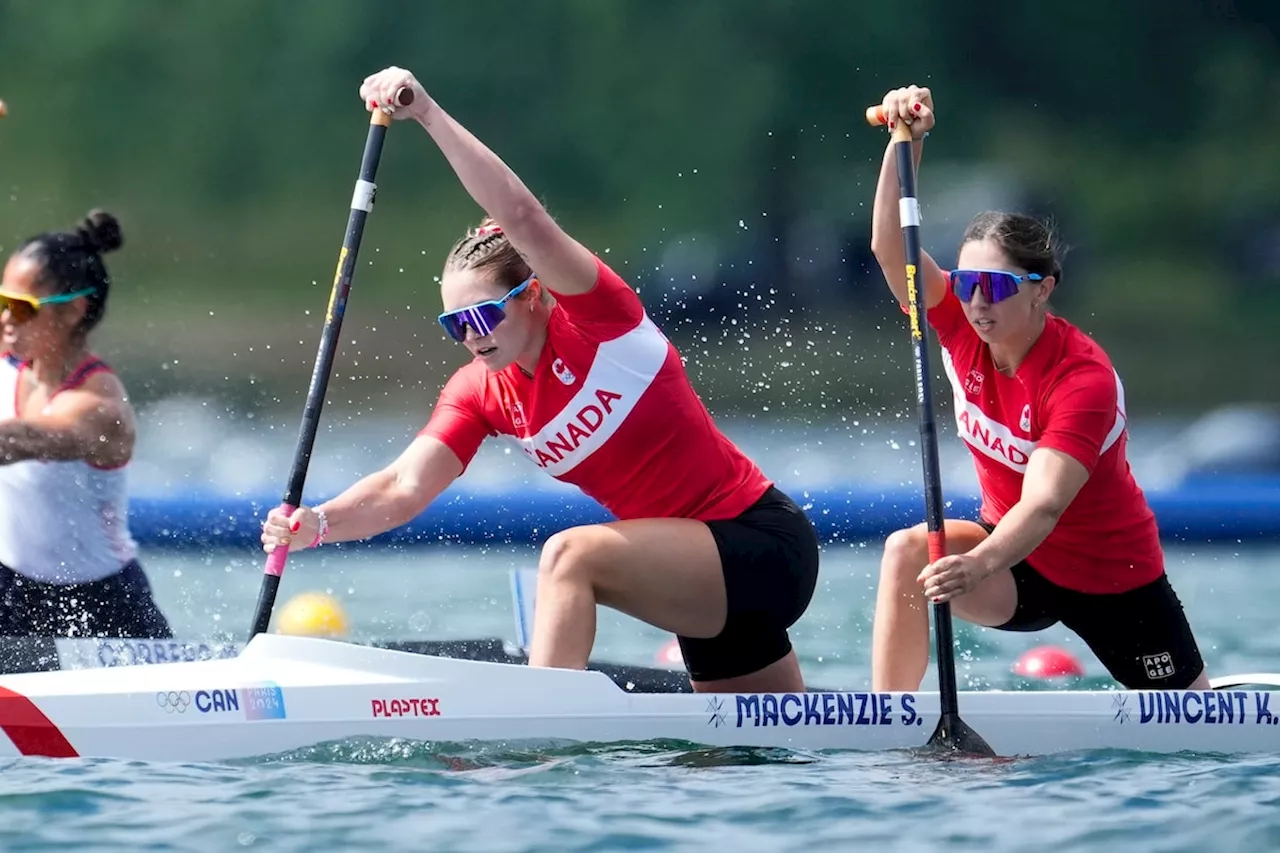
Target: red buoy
column 670, row 656
column 1047, row 662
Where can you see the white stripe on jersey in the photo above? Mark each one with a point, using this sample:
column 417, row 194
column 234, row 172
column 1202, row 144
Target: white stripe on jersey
column 997, row 441
column 623, row 369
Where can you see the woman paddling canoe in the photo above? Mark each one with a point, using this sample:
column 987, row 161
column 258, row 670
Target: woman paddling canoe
column 566, row 362
column 1065, row 533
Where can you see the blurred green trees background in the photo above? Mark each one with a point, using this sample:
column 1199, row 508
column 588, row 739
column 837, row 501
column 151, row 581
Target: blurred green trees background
column 715, row 150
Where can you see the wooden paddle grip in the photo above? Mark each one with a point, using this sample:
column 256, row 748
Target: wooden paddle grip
column 876, row 118
column 382, row 115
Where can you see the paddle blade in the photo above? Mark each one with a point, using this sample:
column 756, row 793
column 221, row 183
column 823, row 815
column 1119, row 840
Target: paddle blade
column 953, row 735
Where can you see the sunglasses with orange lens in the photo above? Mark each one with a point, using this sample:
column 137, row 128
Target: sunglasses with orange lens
column 22, row 307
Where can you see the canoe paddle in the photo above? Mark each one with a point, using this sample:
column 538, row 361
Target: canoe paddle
column 952, row 733
column 361, row 204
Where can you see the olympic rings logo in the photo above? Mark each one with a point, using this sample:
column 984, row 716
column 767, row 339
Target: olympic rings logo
column 174, row 701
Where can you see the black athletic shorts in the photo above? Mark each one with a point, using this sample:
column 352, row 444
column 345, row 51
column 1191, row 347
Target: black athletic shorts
column 769, row 555
column 118, row 605
column 1141, row 636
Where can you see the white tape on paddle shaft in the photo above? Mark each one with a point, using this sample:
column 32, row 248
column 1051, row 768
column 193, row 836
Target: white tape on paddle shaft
column 908, row 212
column 362, row 199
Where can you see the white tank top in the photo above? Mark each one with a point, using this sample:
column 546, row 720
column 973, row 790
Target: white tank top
column 61, row 522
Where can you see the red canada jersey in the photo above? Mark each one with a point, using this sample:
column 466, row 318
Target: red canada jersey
column 609, row 409
column 1067, row 396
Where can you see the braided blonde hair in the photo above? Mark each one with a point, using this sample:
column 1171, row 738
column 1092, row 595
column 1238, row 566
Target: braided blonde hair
column 487, row 250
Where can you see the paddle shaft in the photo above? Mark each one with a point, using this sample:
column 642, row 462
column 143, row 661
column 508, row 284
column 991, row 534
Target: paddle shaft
column 909, row 215
column 361, row 204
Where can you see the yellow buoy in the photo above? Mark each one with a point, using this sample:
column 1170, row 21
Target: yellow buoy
column 312, row 614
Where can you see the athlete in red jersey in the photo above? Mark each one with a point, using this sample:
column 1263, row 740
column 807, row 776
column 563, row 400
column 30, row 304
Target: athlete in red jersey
column 567, row 364
column 1065, row 533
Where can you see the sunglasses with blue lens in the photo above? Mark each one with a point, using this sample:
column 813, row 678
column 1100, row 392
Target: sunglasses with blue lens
column 484, row 317
column 996, row 285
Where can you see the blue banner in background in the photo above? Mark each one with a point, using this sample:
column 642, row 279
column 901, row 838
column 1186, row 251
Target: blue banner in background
column 1232, row 511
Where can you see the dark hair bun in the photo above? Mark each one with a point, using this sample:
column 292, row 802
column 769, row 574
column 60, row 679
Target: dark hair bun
column 101, row 232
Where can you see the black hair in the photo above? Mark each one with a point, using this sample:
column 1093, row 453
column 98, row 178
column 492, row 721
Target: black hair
column 72, row 260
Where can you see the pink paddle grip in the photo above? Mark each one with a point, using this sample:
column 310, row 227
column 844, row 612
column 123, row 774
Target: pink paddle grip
column 276, row 559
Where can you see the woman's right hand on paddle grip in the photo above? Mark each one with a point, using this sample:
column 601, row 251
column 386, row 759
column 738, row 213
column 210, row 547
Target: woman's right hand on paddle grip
column 295, row 531
column 912, row 104
column 378, row 90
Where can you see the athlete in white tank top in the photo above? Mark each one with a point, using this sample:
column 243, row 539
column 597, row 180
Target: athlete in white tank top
column 68, row 564
column 62, row 522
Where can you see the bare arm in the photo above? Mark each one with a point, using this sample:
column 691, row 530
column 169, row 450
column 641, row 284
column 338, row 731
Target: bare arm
column 1052, row 481
column 92, row 422
column 886, row 223
column 393, row 496
column 562, row 263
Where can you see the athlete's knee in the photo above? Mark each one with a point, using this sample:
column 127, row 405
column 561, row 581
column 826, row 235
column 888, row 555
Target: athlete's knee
column 906, row 552
column 566, row 557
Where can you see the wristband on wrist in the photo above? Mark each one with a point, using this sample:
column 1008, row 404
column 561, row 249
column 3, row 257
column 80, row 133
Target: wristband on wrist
column 322, row 531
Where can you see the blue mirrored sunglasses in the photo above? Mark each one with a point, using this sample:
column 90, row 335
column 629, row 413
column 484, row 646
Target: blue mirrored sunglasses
column 484, row 317
column 996, row 285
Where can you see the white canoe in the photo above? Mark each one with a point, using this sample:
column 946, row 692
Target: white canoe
column 286, row 693
column 42, row 654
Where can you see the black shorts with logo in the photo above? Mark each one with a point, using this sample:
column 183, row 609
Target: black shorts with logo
column 1141, row 636
column 769, row 555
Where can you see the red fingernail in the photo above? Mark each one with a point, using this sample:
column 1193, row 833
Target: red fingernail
column 891, row 125
column 917, row 107
column 936, row 599
column 373, row 104
column 296, row 526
